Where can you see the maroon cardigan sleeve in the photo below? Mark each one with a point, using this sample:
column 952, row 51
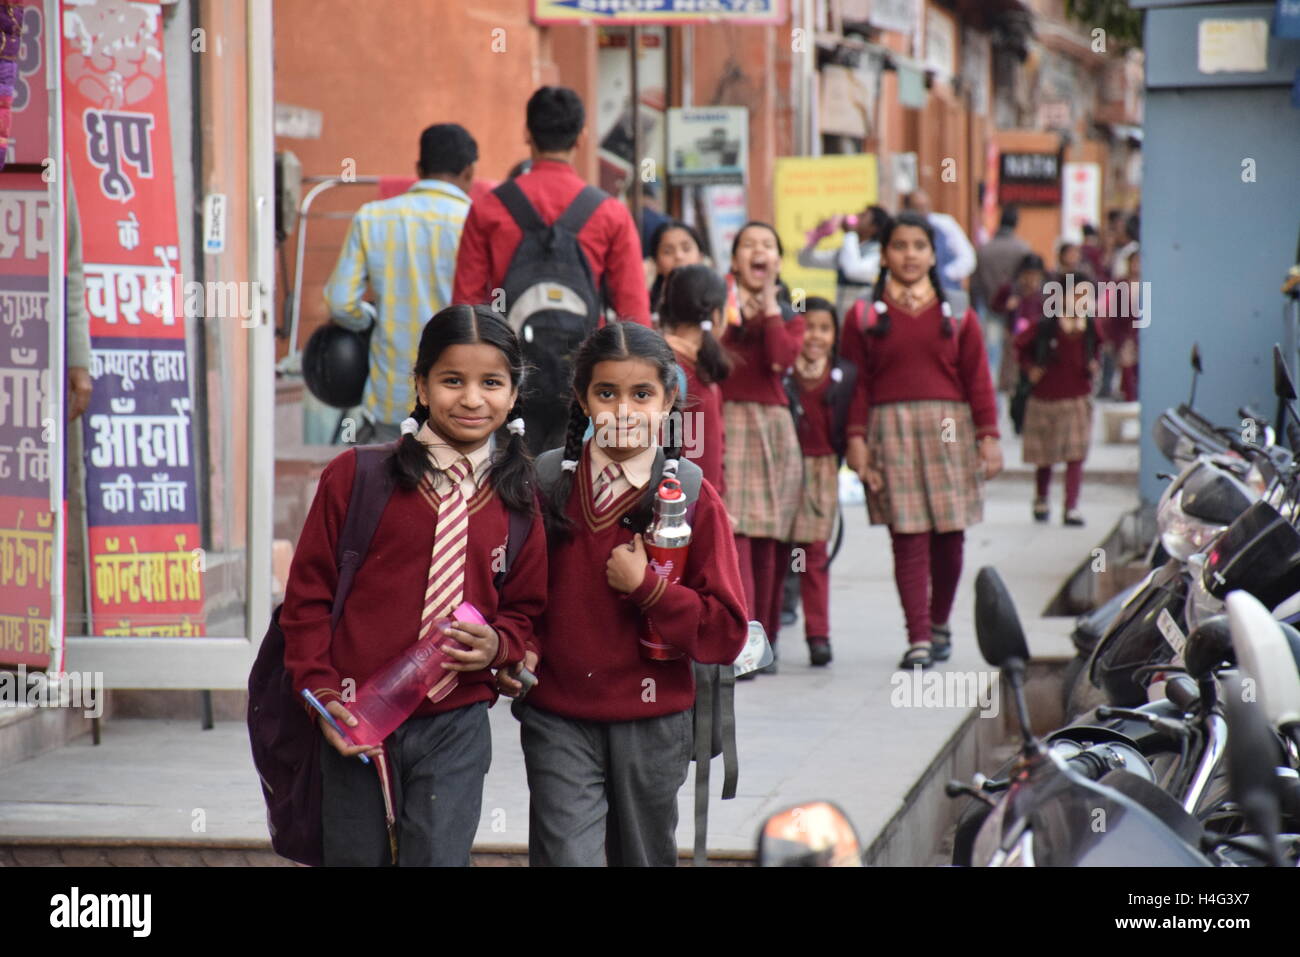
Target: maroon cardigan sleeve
column 977, row 380
column 313, row 576
column 853, row 347
column 522, row 599
column 704, row 614
column 782, row 341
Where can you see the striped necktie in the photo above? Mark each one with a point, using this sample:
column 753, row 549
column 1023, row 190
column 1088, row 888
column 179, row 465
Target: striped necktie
column 446, row 585
column 604, row 487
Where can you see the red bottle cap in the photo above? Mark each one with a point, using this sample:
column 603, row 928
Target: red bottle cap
column 670, row 490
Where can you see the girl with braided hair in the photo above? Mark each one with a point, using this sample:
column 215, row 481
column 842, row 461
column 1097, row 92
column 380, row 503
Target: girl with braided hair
column 606, row 732
column 922, row 432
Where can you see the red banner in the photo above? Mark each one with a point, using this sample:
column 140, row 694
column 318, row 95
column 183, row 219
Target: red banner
column 145, row 558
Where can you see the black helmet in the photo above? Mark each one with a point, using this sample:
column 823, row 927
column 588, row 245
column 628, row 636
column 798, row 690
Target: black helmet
column 336, row 364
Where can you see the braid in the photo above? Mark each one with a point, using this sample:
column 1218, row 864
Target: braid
column 557, row 496
column 945, row 325
column 409, row 462
column 881, row 325
column 512, row 473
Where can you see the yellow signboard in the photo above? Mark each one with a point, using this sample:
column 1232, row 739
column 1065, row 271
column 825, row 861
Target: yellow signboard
column 810, row 189
column 630, row 12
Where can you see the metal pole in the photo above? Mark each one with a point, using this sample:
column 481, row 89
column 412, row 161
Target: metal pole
column 636, row 131
column 57, row 192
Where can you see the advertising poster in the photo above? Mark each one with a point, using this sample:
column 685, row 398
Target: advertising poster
column 145, row 558
column 707, row 145
column 810, row 189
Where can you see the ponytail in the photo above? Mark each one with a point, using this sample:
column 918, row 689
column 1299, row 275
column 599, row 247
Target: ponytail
column 881, row 324
column 556, row 498
column 409, row 462
column 945, row 326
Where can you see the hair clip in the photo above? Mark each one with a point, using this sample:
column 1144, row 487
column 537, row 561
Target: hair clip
column 569, row 465
column 880, row 306
column 515, row 426
column 946, row 309
column 671, row 465
column 410, row 426
column 707, row 325
column 837, row 374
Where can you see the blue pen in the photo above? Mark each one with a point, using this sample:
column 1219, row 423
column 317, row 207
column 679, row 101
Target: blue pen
column 315, row 703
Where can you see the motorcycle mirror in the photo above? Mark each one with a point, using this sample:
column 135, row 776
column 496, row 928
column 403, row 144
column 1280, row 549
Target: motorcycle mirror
column 1283, row 387
column 1252, row 761
column 1264, row 655
column 1196, row 357
column 997, row 625
column 1209, row 646
column 816, row 834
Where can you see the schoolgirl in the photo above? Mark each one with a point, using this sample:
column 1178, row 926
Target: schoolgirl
column 762, row 461
column 692, row 308
column 820, row 385
column 922, row 429
column 607, row 732
column 439, row 542
column 672, row 244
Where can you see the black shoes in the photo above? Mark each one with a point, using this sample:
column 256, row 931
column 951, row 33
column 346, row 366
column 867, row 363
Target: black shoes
column 819, row 651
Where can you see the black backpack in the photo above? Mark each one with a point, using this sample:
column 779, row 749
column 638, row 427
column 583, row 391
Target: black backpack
column 284, row 737
column 715, row 685
column 552, row 303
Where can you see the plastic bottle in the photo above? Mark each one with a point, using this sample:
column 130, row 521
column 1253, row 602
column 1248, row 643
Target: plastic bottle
column 392, row 693
column 667, row 543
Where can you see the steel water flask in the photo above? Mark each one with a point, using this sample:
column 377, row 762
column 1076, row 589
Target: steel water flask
column 667, row 543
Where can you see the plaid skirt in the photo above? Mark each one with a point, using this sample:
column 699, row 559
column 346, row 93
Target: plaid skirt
column 764, row 469
column 926, row 450
column 1056, row 430
column 818, row 500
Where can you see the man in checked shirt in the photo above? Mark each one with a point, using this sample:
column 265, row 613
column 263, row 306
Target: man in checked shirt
column 404, row 248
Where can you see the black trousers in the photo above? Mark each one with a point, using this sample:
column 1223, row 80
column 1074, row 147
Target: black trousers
column 438, row 763
column 603, row 792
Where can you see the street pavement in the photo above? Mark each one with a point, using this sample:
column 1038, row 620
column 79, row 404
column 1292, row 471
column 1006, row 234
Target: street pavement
column 805, row 733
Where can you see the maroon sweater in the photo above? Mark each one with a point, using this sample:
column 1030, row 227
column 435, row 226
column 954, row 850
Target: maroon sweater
column 815, row 423
column 914, row 360
column 381, row 616
column 704, row 405
column 1065, row 374
column 591, row 666
column 760, row 357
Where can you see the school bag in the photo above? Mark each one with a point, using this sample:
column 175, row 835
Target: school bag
column 551, row 300
column 285, row 739
column 715, row 685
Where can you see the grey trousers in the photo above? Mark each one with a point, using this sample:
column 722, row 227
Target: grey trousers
column 438, row 763
column 603, row 792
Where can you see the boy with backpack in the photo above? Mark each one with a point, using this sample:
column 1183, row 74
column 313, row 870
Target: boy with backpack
column 548, row 252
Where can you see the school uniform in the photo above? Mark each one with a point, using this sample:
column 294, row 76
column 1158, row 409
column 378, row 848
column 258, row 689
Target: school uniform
column 703, row 403
column 762, row 460
column 607, row 733
column 444, row 749
column 823, row 405
column 923, row 401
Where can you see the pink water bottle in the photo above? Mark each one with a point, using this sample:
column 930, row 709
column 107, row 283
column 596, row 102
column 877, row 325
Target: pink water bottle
column 667, row 543
column 392, row 693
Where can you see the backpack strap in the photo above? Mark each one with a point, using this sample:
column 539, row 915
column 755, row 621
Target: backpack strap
column 372, row 486
column 582, row 208
column 520, row 525
column 521, row 210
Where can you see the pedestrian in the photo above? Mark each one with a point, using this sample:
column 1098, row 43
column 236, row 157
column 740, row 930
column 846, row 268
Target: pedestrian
column 1093, row 254
column 692, row 309
column 1020, row 303
column 438, row 542
column 1128, row 235
column 404, row 249
column 821, row 383
column 923, row 432
column 518, row 254
column 857, row 260
column 1123, row 313
column 1060, row 357
column 673, row 244
column 606, row 733
column 956, row 255
column 762, row 461
column 1070, row 262
column 997, row 259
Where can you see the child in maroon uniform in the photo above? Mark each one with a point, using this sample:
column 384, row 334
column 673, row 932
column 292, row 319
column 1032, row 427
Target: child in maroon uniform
column 606, row 732
column 764, row 470
column 821, row 385
column 1060, row 358
column 467, row 375
column 922, row 429
column 692, row 303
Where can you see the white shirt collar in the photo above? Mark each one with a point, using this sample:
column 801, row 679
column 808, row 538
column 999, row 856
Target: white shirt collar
column 444, row 456
column 636, row 470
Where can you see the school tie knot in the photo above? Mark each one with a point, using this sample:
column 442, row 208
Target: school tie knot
column 604, row 488
column 456, row 473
